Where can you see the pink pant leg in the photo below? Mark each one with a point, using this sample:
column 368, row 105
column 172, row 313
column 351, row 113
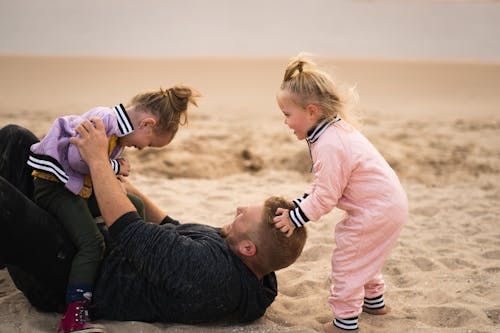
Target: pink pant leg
column 375, row 287
column 357, row 261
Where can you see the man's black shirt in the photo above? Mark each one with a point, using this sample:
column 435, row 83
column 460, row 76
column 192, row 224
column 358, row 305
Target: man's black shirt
column 176, row 273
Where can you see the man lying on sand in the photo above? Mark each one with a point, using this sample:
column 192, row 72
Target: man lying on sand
column 159, row 271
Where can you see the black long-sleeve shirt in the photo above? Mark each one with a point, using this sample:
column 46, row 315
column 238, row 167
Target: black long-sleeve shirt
column 176, row 273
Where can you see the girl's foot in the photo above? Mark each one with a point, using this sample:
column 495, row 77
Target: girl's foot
column 377, row 312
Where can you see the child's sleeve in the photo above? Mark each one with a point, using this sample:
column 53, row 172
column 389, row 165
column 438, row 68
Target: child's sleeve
column 331, row 176
column 297, row 201
column 115, row 165
column 75, row 160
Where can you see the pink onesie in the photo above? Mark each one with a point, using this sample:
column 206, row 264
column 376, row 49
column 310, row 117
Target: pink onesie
column 349, row 173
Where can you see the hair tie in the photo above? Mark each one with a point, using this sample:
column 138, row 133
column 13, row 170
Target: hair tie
column 166, row 93
column 300, row 66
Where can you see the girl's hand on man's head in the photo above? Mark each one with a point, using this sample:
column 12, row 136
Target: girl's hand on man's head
column 283, row 223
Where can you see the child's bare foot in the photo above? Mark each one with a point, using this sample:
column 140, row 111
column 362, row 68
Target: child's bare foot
column 377, row 312
column 330, row 328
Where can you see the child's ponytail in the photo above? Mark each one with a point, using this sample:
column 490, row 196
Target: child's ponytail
column 179, row 98
column 169, row 105
column 295, row 65
column 308, row 84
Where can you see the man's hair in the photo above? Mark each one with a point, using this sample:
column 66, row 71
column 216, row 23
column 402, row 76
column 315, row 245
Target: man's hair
column 274, row 250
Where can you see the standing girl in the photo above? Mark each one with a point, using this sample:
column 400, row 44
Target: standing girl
column 349, row 173
column 63, row 185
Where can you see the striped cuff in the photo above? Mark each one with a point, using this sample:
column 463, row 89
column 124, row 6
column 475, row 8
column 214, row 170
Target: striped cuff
column 298, row 217
column 349, row 324
column 374, row 303
column 297, row 201
column 115, row 165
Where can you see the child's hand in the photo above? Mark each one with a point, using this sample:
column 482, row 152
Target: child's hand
column 283, row 223
column 124, row 166
column 128, row 186
column 122, row 186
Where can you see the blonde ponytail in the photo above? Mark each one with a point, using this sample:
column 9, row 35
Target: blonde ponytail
column 295, row 65
column 309, row 85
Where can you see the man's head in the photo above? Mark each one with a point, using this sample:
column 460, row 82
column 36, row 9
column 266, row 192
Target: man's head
column 253, row 237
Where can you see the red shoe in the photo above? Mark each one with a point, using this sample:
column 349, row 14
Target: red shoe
column 76, row 319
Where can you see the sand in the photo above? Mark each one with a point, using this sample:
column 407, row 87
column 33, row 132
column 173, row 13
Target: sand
column 437, row 124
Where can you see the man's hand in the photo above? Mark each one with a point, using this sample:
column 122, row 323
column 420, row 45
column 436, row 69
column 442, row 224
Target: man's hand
column 124, row 166
column 283, row 223
column 92, row 141
column 93, row 146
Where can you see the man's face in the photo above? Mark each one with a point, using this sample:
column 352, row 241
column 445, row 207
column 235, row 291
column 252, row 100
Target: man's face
column 246, row 220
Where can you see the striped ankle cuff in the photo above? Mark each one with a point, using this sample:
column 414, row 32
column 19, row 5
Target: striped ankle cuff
column 374, row 303
column 349, row 324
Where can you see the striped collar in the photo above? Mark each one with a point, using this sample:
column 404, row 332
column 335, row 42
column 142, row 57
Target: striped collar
column 314, row 133
column 124, row 124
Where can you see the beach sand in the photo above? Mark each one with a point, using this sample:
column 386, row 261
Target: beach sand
column 437, row 124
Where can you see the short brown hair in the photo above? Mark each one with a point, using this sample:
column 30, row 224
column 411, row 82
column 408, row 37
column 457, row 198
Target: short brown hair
column 274, row 250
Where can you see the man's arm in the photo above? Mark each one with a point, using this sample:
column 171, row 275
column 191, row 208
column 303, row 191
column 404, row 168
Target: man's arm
column 153, row 212
column 93, row 147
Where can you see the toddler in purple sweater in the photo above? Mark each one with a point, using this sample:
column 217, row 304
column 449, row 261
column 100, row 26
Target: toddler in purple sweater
column 62, row 183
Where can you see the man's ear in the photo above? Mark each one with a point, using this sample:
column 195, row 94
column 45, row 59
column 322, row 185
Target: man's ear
column 247, row 248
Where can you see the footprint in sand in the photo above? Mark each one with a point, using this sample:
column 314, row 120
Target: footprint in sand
column 492, row 270
column 427, row 211
column 301, row 289
column 493, row 315
column 495, row 255
column 443, row 316
column 480, row 290
column 398, row 279
column 440, row 241
column 456, row 263
column 424, row 264
column 315, row 253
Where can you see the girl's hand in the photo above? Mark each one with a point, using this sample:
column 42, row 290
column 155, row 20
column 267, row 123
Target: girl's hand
column 124, row 166
column 283, row 223
column 122, row 186
column 128, row 186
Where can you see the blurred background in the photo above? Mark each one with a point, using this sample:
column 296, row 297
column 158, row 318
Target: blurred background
column 375, row 29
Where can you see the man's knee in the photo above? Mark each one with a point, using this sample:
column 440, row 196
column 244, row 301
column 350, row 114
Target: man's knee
column 138, row 204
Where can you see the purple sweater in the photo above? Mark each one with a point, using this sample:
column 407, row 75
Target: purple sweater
column 54, row 154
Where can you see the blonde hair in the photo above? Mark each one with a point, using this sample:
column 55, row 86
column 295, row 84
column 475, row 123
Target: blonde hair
column 170, row 106
column 309, row 85
column 274, row 250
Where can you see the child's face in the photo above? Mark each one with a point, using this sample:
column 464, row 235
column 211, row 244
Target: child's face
column 146, row 137
column 298, row 119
